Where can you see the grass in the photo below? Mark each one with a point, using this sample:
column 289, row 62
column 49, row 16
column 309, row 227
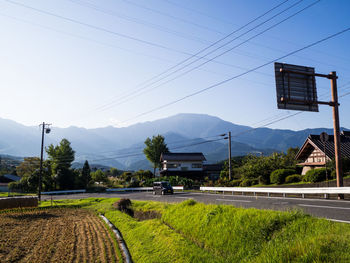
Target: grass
column 7, row 194
column 195, row 232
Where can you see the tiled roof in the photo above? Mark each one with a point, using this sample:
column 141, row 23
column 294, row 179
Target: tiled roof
column 314, row 140
column 182, row 157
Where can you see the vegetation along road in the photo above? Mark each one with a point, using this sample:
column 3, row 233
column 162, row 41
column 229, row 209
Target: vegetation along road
column 324, row 208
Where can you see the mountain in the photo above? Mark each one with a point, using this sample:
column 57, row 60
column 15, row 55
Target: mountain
column 122, row 147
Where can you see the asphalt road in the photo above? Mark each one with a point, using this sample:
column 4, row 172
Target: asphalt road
column 323, row 208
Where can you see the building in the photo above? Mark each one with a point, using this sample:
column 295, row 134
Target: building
column 188, row 165
column 314, row 154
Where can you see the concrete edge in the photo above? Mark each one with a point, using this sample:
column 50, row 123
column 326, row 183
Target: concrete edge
column 122, row 245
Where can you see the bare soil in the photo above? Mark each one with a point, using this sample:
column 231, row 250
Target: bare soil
column 55, row 235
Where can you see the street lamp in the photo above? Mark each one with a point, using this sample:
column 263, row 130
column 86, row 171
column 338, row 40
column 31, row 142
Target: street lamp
column 45, row 129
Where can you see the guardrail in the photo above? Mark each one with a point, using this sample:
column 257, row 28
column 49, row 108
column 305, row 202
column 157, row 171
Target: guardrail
column 302, row 191
column 129, row 189
column 139, row 189
column 64, row 192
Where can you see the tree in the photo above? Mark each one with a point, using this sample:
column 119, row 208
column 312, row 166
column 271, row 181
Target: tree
column 61, row 157
column 28, row 166
column 99, row 177
column 143, row 175
column 154, row 148
column 85, row 174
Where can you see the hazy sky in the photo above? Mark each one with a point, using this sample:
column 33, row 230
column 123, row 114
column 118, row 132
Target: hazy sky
column 96, row 63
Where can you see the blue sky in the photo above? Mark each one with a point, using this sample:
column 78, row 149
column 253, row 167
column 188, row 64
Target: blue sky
column 86, row 63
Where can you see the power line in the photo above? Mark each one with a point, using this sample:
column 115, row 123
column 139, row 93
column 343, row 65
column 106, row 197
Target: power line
column 172, row 16
column 196, row 55
column 207, row 61
column 139, row 21
column 98, row 28
column 240, row 75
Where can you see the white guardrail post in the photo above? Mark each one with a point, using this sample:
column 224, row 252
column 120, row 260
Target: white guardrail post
column 325, row 191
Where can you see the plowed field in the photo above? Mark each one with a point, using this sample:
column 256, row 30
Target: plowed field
column 55, row 235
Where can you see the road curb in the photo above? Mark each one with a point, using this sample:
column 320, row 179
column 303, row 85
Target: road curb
column 121, row 242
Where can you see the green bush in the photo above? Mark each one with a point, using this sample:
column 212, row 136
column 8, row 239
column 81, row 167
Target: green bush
column 278, row 176
column 294, row 178
column 316, row 175
column 234, row 183
column 248, row 182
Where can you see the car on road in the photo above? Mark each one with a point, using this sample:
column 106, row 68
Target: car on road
column 162, row 188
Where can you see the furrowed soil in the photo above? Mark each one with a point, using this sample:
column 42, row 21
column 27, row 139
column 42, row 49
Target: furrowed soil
column 55, row 235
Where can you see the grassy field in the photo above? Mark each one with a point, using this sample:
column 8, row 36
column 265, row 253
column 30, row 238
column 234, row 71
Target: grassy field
column 55, row 235
column 195, row 232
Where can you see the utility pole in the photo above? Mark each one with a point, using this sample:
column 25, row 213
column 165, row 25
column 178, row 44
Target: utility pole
column 45, row 128
column 229, row 157
column 337, row 151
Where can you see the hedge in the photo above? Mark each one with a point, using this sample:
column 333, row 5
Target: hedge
column 278, row 176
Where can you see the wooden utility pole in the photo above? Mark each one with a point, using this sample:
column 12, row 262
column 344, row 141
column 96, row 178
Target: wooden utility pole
column 337, row 149
column 47, row 129
column 229, row 156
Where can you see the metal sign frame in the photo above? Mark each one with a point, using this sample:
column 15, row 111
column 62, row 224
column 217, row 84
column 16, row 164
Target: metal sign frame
column 296, row 87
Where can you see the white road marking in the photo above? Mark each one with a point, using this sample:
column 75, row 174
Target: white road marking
column 323, row 206
column 183, row 197
column 339, row 221
column 281, row 203
column 244, row 201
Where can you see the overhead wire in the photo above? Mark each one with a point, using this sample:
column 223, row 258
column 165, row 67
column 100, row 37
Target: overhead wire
column 99, row 28
column 240, row 74
column 215, row 57
column 196, row 55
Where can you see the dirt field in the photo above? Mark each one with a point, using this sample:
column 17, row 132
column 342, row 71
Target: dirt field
column 55, row 235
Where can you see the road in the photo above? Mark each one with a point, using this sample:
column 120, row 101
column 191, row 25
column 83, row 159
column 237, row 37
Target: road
column 323, row 208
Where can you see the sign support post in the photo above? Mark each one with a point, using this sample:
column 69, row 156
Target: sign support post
column 296, row 90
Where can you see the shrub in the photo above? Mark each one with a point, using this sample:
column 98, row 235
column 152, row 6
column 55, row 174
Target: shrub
column 123, row 205
column 248, row 182
column 294, row 178
column 333, row 175
column 234, row 183
column 278, row 176
column 316, row 175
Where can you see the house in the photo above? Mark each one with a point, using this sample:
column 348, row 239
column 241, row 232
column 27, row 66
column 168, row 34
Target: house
column 314, row 154
column 182, row 164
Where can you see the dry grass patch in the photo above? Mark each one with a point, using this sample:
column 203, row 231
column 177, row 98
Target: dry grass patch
column 55, row 235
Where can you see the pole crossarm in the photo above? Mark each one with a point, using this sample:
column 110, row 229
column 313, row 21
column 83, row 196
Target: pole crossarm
column 328, row 76
column 329, row 103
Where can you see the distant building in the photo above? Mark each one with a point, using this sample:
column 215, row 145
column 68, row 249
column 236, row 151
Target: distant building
column 182, row 164
column 312, row 154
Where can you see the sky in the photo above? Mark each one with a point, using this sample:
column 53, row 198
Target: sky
column 96, row 63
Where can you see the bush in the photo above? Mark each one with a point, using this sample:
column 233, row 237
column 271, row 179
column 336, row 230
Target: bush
column 316, row 175
column 248, row 182
column 234, row 183
column 278, row 176
column 294, row 178
column 123, row 205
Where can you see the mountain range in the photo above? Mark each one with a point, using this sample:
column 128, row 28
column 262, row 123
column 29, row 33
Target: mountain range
column 122, row 147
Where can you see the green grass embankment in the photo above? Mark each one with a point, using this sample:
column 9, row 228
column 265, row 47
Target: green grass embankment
column 195, row 232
